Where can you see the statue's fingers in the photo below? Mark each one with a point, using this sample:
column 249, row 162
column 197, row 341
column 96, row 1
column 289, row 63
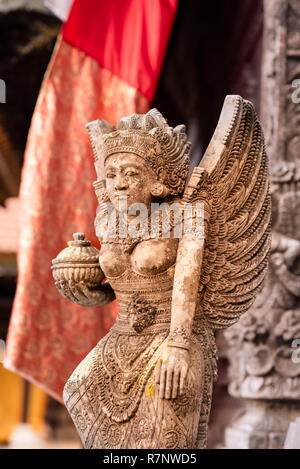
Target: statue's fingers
column 176, row 378
column 65, row 290
column 61, row 285
column 79, row 296
column 169, row 382
column 162, row 381
column 182, row 379
column 84, row 290
column 72, row 289
column 73, row 295
column 157, row 371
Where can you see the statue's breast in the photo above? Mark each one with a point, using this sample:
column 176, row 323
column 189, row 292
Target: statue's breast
column 113, row 261
column 154, row 256
column 148, row 257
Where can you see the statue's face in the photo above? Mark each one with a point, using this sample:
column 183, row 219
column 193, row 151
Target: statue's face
column 127, row 175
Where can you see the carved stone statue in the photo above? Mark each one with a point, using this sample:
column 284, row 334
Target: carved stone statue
column 148, row 382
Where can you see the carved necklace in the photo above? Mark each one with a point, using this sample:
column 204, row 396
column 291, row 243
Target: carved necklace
column 150, row 227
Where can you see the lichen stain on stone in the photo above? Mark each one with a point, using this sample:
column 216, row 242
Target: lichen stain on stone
column 150, row 389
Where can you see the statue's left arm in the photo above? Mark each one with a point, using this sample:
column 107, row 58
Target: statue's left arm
column 224, row 274
column 173, row 367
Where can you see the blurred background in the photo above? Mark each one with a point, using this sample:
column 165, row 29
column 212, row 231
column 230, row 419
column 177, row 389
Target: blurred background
column 28, row 417
column 211, row 49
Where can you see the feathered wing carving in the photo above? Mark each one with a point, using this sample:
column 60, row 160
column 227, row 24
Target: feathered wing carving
column 232, row 181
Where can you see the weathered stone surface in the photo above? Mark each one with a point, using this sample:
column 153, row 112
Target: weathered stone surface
column 263, row 425
column 148, row 382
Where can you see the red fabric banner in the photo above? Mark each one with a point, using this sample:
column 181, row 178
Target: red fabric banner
column 129, row 38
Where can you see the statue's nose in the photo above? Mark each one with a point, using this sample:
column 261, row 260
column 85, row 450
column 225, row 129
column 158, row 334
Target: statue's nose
column 121, row 183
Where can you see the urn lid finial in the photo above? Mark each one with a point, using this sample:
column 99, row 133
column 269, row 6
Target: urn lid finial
column 78, row 236
column 79, row 262
column 79, row 251
column 78, row 240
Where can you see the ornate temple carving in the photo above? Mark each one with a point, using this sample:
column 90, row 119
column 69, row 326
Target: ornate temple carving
column 148, row 382
column 262, row 369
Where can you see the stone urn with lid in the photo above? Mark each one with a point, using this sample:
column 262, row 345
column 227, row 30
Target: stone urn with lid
column 77, row 272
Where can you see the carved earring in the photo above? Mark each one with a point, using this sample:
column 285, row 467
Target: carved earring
column 100, row 191
column 158, row 189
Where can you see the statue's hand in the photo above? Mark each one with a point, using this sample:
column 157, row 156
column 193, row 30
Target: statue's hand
column 85, row 294
column 75, row 292
column 171, row 372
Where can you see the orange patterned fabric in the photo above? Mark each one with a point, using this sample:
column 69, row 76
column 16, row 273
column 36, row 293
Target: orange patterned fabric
column 48, row 335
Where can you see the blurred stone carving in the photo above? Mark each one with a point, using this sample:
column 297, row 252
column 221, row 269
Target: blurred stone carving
column 261, row 344
column 293, row 435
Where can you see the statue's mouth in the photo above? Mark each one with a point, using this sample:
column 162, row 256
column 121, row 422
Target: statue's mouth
column 122, row 195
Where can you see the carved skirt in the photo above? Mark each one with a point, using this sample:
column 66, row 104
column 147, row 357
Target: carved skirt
column 113, row 401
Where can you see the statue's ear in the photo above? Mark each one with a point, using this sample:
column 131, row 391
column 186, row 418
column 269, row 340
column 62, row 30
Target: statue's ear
column 100, row 190
column 162, row 174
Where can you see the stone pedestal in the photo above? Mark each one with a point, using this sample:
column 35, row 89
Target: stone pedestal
column 263, row 425
column 292, row 440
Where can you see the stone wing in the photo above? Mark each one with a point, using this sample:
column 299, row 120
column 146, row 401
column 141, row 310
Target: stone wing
column 232, row 181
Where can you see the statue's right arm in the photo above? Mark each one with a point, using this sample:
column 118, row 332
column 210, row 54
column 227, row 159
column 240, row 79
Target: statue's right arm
column 84, row 294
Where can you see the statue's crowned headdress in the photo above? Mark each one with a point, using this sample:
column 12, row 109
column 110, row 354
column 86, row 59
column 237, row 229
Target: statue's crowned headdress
column 164, row 149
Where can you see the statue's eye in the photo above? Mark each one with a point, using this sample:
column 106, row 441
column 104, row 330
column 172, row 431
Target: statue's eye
column 131, row 173
column 110, row 175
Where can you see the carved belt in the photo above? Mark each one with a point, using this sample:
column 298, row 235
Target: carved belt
column 141, row 317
